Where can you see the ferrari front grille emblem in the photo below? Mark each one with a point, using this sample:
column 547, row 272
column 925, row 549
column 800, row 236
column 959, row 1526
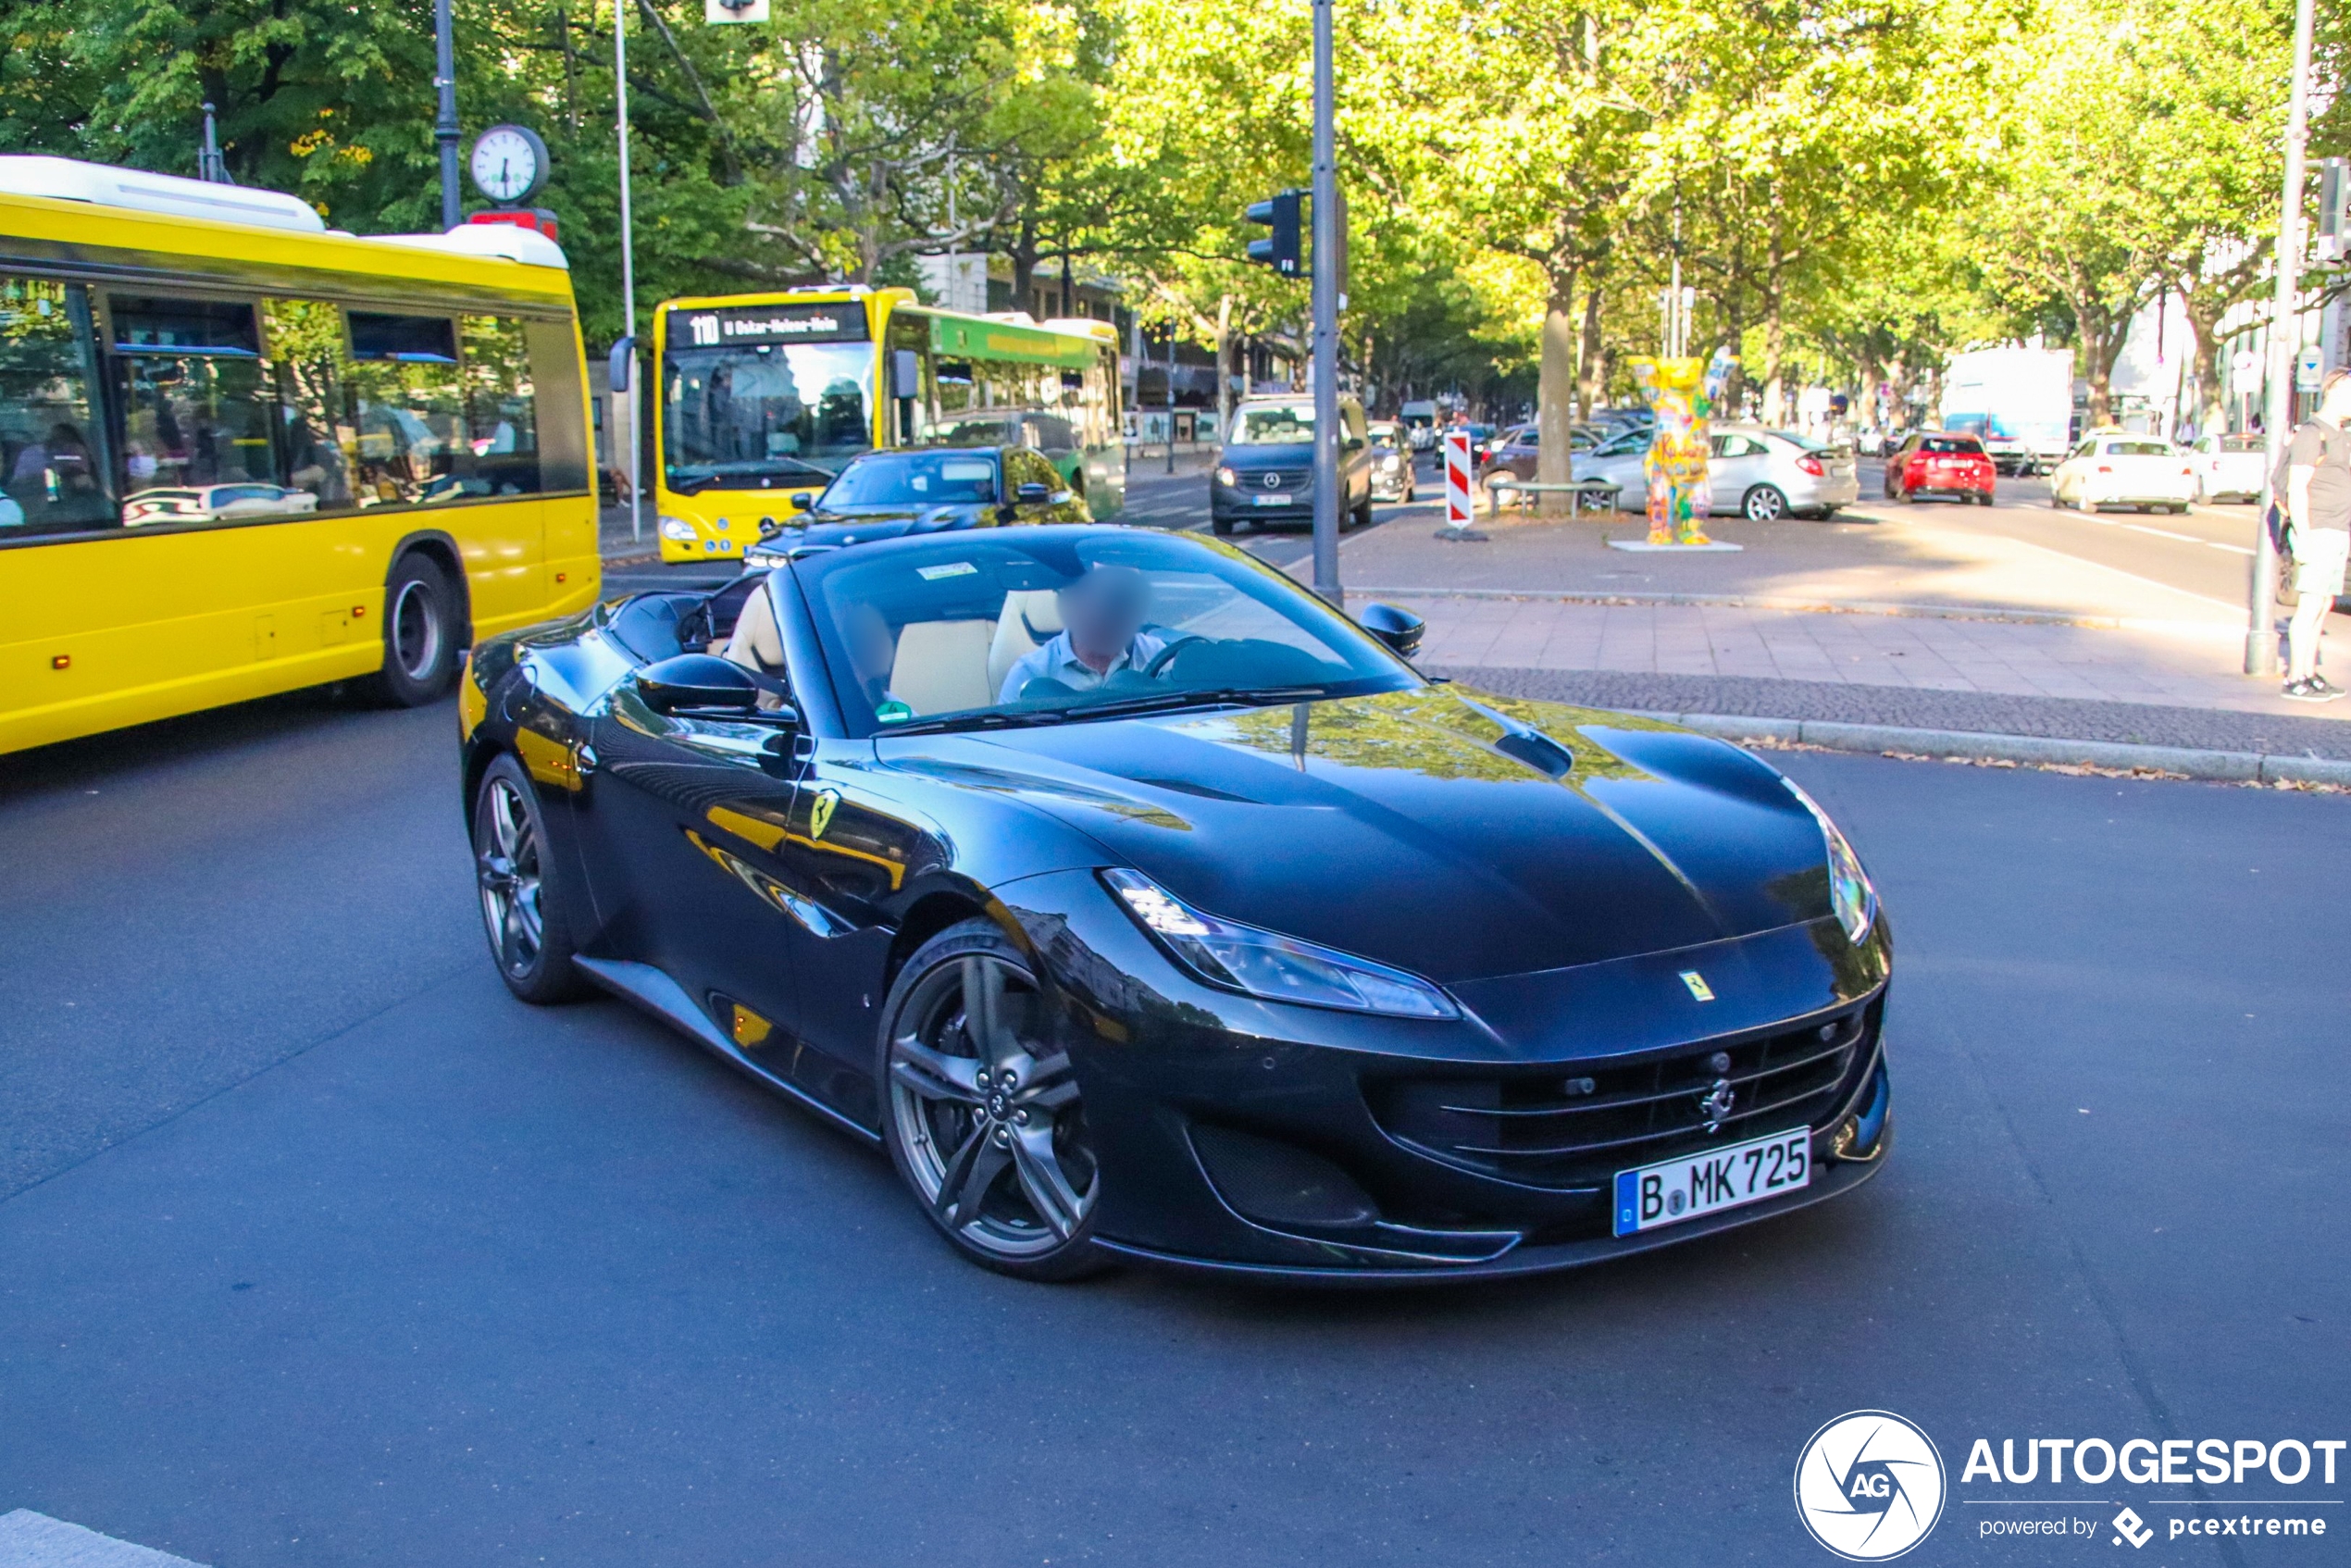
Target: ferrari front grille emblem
column 1698, row 988
column 820, row 812
column 1716, row 1102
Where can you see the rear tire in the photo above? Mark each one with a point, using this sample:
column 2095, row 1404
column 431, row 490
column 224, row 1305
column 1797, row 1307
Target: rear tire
column 525, row 895
column 421, row 635
column 1764, row 504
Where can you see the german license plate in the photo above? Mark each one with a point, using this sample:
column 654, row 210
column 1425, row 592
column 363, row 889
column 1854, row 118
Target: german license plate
column 1674, row 1191
column 1278, row 499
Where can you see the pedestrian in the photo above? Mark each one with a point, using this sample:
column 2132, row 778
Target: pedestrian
column 2318, row 501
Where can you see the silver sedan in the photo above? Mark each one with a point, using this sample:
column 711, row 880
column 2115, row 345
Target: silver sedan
column 1755, row 472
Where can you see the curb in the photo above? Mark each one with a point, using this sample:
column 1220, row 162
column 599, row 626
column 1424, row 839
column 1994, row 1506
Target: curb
column 2234, row 768
column 2231, row 631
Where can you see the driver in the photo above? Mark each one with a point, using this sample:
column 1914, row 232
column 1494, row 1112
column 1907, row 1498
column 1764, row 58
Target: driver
column 1102, row 634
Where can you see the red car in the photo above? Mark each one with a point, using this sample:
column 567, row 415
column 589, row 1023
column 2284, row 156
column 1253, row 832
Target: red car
column 1935, row 462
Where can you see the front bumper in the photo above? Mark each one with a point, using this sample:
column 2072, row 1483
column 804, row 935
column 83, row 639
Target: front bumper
column 1257, row 1138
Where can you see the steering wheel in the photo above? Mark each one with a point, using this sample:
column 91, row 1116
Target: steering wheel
column 1160, row 660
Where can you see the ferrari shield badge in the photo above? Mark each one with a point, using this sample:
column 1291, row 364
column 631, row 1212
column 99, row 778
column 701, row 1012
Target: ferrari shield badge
column 820, row 812
column 1698, row 988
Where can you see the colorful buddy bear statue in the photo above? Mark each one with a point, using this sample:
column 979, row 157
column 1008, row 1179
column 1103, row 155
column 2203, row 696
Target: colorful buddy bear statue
column 1683, row 393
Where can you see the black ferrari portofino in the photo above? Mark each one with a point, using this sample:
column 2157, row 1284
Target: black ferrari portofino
column 1143, row 906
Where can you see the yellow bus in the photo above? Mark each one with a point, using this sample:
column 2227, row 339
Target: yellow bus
column 240, row 453
column 761, row 398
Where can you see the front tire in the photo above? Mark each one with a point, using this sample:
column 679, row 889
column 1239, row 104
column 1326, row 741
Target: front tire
column 981, row 1111
column 522, row 891
column 420, row 634
column 1221, row 526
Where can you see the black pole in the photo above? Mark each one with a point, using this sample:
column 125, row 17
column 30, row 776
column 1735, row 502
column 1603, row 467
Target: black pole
column 445, row 128
column 1326, row 242
column 1171, row 397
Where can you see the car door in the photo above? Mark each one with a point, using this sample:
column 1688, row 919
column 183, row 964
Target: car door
column 1735, row 468
column 680, row 819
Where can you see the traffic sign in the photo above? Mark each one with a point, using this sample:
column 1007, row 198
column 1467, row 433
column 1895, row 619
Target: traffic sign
column 1457, row 512
column 2310, row 370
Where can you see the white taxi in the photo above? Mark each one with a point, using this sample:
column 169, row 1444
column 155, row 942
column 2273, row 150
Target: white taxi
column 2230, row 467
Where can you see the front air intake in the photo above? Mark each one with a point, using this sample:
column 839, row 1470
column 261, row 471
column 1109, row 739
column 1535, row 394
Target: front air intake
column 1278, row 1183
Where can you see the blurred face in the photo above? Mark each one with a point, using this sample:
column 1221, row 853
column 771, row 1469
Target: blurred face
column 2335, row 406
column 1103, row 611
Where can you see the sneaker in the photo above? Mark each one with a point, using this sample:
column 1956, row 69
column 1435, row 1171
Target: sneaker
column 2315, row 690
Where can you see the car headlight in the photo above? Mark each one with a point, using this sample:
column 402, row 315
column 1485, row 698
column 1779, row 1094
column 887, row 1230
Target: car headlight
column 1242, row 958
column 1851, row 894
column 678, row 528
column 1226, row 477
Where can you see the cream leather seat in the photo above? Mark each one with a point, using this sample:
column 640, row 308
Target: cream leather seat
column 1031, row 619
column 942, row 666
column 756, row 644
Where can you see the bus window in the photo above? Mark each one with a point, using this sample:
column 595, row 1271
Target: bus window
column 409, row 416
column 54, row 481
column 501, row 416
column 306, row 349
column 743, row 415
column 198, row 410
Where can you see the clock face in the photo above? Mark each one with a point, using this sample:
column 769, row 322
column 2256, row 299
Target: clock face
column 509, row 163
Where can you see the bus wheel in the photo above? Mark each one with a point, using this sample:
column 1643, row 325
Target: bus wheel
column 420, row 634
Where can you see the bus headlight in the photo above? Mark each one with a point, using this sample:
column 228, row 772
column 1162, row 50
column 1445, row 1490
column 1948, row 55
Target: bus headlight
column 679, row 530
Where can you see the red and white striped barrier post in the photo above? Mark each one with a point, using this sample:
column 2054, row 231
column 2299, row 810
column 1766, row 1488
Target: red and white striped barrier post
column 1459, row 511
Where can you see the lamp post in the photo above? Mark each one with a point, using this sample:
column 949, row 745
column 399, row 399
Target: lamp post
column 444, row 127
column 1325, row 345
column 2260, row 636
column 627, row 269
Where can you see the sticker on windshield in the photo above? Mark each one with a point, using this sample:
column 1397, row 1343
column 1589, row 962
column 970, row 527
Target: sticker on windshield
column 892, row 711
column 952, row 569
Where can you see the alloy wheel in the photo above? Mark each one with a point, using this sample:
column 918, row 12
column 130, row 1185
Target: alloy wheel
column 987, row 1117
column 507, row 851
column 415, row 630
column 1765, row 504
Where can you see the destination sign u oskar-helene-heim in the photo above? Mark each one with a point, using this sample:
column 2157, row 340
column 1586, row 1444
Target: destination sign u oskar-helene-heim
column 842, row 323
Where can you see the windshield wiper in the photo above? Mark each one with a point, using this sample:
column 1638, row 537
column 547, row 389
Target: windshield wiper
column 1163, row 701
column 1215, row 697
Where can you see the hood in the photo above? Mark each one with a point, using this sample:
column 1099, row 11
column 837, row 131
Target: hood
column 1453, row 834
column 1255, row 458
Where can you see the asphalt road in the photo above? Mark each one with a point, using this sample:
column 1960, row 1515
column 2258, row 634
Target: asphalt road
column 2207, row 550
column 320, row 1250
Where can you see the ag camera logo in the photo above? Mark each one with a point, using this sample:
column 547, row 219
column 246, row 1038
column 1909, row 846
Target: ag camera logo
column 1868, row 1486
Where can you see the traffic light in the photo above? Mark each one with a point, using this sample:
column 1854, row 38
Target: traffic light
column 1283, row 251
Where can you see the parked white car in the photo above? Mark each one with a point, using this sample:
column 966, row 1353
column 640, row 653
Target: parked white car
column 2116, row 468
column 1755, row 472
column 208, row 503
column 2231, row 468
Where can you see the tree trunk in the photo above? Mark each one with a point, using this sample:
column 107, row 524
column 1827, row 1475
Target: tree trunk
column 1774, row 356
column 1592, row 363
column 1224, row 364
column 1555, row 396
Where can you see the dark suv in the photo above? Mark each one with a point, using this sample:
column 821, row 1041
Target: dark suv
column 1265, row 472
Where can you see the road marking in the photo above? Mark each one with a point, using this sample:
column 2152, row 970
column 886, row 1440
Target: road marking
column 35, row 1541
column 2235, row 549
column 2163, row 533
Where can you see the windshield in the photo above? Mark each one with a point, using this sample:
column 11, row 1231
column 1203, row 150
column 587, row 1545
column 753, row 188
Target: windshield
column 2137, row 449
column 1967, row 444
column 2241, row 443
column 1035, row 625
column 915, row 479
column 1389, row 436
column 1287, row 424
column 788, row 411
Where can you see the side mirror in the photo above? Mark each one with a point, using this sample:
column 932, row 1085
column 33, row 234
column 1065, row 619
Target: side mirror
column 803, row 499
column 1033, row 494
column 1400, row 630
column 698, row 683
column 905, row 374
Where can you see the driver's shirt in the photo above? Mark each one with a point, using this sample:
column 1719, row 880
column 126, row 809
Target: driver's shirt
column 1057, row 661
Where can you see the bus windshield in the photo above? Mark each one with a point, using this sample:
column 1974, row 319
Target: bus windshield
column 788, row 411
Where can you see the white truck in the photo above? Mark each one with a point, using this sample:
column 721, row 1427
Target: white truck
column 2019, row 402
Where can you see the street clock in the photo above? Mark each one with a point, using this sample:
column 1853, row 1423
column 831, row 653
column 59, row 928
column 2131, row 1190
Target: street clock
column 509, row 163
